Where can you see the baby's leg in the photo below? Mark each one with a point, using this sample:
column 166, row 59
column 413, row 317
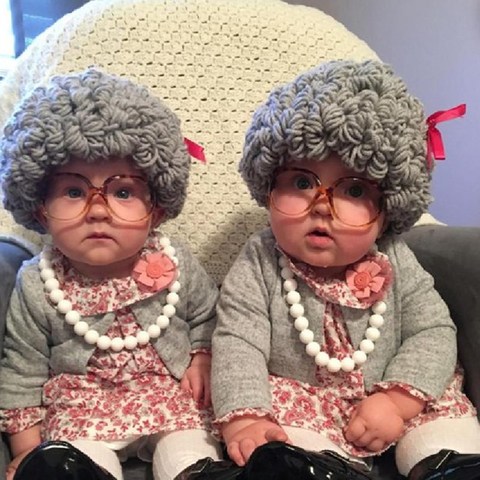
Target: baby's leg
column 459, row 434
column 102, row 455
column 176, row 451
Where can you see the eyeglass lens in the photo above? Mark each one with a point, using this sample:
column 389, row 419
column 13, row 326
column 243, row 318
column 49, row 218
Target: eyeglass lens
column 355, row 201
column 69, row 195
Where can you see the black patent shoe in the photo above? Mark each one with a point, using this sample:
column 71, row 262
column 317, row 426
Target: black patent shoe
column 281, row 461
column 56, row 460
column 209, row 469
column 447, row 465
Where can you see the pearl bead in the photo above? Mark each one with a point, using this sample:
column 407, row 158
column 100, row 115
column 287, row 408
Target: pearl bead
column 164, row 242
column 154, row 331
column 72, row 317
column 334, row 365
column 163, row 321
column 91, row 337
column 174, row 287
column 130, row 342
column 376, row 320
column 143, row 337
column 64, row 306
column 347, row 364
column 300, row 323
column 290, row 285
column 379, row 307
column 104, row 342
column 297, row 310
column 56, row 295
column 313, row 349
column 44, row 263
column 172, row 298
column 81, row 328
column 117, row 344
column 52, row 284
column 321, row 359
column 286, row 273
column 367, row 346
column 306, row 336
column 293, row 297
column 372, row 333
column 282, row 261
column 46, row 273
column 169, row 250
column 359, row 357
column 169, row 310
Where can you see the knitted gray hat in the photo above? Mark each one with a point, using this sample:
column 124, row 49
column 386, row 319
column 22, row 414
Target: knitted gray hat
column 360, row 111
column 93, row 116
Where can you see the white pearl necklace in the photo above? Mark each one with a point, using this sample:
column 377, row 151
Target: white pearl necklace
column 322, row 359
column 91, row 336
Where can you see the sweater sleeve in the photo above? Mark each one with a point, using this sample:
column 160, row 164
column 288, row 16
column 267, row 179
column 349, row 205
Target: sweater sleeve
column 25, row 363
column 202, row 295
column 427, row 355
column 241, row 341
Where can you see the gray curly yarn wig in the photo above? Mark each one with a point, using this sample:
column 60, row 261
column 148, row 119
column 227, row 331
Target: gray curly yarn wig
column 93, row 116
column 360, row 111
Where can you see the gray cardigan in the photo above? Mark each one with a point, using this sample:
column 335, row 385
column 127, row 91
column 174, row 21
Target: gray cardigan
column 38, row 340
column 255, row 333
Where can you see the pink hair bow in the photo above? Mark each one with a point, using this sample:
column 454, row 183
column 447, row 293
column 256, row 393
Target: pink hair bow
column 195, row 150
column 435, row 148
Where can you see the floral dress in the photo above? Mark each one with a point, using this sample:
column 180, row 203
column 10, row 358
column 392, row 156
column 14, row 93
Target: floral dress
column 123, row 394
column 327, row 407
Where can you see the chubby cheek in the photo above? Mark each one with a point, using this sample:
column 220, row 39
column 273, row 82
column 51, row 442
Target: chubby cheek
column 286, row 231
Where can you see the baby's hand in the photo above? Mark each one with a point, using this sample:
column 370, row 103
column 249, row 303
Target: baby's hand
column 196, row 379
column 243, row 435
column 375, row 423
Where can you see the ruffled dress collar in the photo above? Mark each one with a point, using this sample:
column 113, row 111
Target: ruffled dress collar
column 153, row 273
column 364, row 282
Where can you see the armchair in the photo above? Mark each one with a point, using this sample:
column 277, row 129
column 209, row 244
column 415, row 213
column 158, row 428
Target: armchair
column 213, row 62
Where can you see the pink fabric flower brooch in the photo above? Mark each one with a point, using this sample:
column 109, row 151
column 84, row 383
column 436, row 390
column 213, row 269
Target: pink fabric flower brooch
column 154, row 272
column 370, row 278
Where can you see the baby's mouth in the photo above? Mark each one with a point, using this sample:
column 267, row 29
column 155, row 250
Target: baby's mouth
column 319, row 233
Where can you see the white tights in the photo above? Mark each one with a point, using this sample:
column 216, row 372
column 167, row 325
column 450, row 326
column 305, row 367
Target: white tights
column 172, row 452
column 459, row 434
column 176, row 451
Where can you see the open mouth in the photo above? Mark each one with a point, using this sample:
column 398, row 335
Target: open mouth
column 319, row 233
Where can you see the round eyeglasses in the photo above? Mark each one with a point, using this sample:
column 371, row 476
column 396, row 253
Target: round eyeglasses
column 69, row 195
column 354, row 201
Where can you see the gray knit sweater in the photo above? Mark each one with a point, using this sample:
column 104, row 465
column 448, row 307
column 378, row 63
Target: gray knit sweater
column 255, row 333
column 38, row 339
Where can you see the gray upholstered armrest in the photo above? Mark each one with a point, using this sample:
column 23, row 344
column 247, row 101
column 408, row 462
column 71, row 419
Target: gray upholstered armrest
column 452, row 256
column 11, row 257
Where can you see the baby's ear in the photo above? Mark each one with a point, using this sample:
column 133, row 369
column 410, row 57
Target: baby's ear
column 158, row 215
column 41, row 218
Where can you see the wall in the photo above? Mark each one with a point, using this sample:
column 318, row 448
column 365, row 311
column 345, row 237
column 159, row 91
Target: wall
column 435, row 46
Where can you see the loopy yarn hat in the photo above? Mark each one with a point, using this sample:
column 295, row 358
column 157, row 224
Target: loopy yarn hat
column 360, row 111
column 92, row 116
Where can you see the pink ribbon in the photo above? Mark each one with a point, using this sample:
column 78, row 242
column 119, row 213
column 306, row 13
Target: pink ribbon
column 195, row 150
column 435, row 148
